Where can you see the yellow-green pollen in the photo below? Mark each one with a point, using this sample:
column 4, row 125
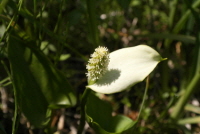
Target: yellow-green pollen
column 98, row 63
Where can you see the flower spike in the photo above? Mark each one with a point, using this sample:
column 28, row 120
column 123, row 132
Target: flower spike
column 97, row 64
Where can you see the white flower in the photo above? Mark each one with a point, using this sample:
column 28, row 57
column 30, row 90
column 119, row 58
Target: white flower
column 98, row 64
column 123, row 69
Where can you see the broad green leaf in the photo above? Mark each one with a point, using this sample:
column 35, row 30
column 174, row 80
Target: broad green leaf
column 99, row 117
column 29, row 97
column 38, row 84
column 127, row 67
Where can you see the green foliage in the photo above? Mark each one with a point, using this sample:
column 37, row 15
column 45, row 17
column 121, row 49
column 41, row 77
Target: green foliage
column 44, row 47
column 99, row 116
column 28, row 94
column 38, row 85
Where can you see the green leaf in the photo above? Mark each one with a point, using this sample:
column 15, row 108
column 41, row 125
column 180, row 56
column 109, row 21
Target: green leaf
column 99, row 117
column 64, row 57
column 184, row 18
column 3, row 4
column 38, row 84
column 30, row 98
column 190, row 120
column 192, row 108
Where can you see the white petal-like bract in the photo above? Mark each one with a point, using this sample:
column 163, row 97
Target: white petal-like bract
column 127, row 67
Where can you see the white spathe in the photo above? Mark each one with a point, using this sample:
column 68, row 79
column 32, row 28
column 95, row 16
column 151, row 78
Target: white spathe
column 127, row 67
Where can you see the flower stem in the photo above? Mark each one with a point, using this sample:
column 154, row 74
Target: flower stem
column 83, row 103
column 184, row 98
column 144, row 97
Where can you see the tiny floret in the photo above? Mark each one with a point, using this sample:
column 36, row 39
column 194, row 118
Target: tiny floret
column 98, row 63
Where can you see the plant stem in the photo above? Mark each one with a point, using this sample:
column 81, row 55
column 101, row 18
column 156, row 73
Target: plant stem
column 83, row 103
column 173, row 7
column 12, row 22
column 179, row 25
column 183, row 100
column 91, row 6
column 191, row 87
column 14, row 19
column 144, row 97
column 15, row 118
column 35, row 18
column 60, row 17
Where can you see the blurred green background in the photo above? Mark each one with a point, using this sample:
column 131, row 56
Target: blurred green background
column 45, row 45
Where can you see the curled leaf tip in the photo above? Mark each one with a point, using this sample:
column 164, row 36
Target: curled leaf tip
column 164, row 59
